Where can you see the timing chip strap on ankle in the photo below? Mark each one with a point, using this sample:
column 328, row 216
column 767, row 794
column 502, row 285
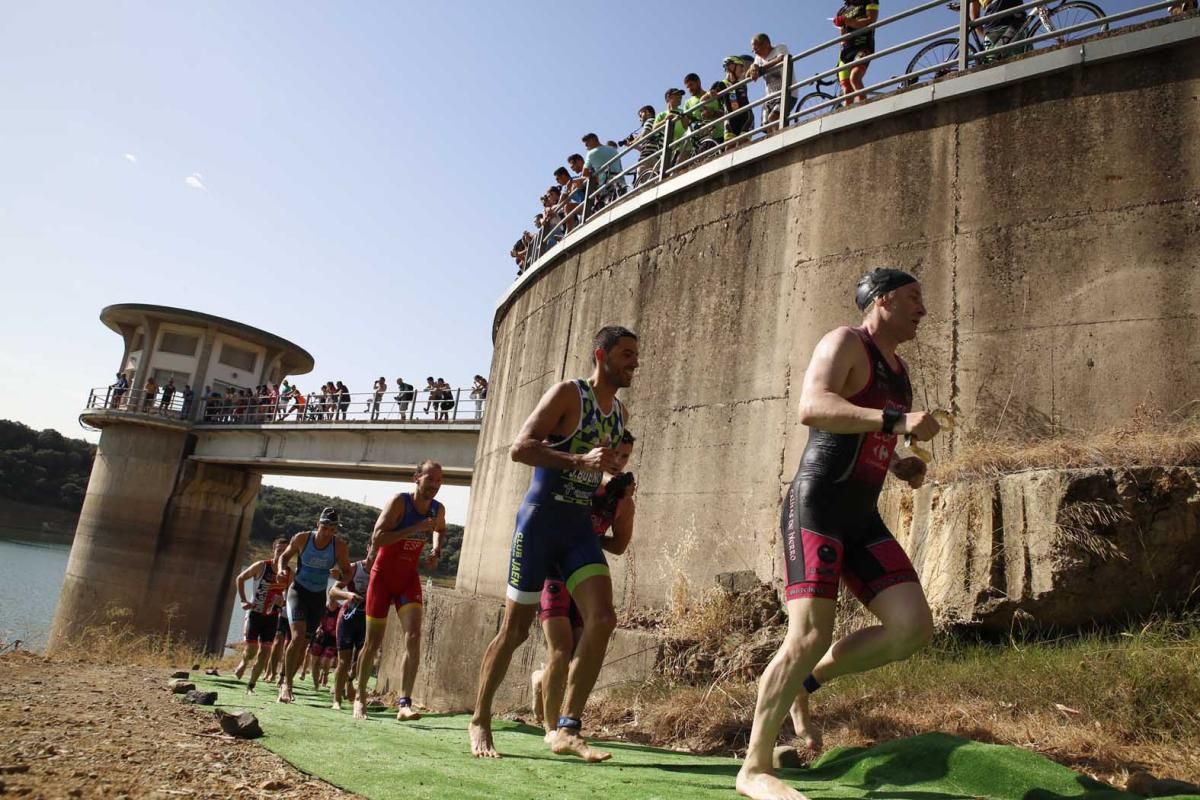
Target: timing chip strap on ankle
column 571, row 724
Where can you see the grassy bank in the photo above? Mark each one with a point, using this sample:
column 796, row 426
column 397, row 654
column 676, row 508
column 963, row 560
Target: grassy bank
column 1105, row 704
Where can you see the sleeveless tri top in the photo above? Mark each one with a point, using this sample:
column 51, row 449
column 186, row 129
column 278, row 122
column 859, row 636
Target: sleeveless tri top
column 315, row 563
column 575, row 487
column 405, row 553
column 267, row 590
column 859, row 461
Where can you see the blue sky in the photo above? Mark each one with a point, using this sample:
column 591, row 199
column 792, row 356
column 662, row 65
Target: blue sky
column 349, row 176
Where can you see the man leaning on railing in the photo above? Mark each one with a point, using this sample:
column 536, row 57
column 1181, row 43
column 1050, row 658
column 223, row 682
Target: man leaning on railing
column 768, row 65
column 601, row 168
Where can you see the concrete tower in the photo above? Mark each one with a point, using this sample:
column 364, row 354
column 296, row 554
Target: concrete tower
column 161, row 536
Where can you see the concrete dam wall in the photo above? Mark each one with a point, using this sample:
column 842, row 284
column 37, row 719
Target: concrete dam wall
column 1054, row 222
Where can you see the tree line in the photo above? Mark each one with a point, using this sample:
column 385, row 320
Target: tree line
column 45, row 468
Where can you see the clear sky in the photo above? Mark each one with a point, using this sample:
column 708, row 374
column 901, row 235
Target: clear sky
column 349, row 176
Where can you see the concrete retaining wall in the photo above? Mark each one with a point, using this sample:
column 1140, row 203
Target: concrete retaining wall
column 1056, row 227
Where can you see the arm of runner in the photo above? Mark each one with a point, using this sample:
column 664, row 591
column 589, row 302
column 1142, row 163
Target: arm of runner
column 622, row 525
column 295, row 547
column 386, row 533
column 341, row 592
column 822, row 404
column 342, row 553
column 531, row 448
column 245, row 576
column 439, row 538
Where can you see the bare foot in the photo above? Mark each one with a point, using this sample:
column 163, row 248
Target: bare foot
column 285, row 694
column 249, row 688
column 764, row 786
column 336, row 705
column 407, row 714
column 241, row 669
column 481, row 740
column 360, row 710
column 806, row 729
column 564, row 743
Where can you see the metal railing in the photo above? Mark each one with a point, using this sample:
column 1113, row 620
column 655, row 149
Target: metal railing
column 943, row 50
column 460, row 405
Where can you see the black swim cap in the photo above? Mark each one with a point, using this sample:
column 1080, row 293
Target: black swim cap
column 879, row 282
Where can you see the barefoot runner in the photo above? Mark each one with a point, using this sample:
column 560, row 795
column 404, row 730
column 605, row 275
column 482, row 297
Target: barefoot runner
column 351, row 624
column 612, row 508
column 856, row 400
column 400, row 534
column 570, row 440
column 324, row 644
column 262, row 614
column 317, row 552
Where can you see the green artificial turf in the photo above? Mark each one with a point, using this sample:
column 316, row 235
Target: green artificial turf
column 430, row 758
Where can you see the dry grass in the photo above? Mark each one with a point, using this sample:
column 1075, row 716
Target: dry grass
column 1103, row 704
column 115, row 641
column 1151, row 437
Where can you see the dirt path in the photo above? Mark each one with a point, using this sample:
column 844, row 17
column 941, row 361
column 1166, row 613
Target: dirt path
column 79, row 730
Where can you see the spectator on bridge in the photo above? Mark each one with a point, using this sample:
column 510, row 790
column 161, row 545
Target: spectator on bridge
column 404, row 396
column 602, row 169
column 520, row 250
column 853, row 16
column 673, row 115
column 738, row 98
column 700, row 109
column 1001, row 31
column 1183, row 8
column 168, row 394
column 377, row 397
column 273, row 399
column 149, row 392
column 118, row 390
column 479, row 394
column 570, row 188
column 647, row 141
column 185, row 412
column 446, row 398
column 768, row 65
column 343, row 399
column 430, row 387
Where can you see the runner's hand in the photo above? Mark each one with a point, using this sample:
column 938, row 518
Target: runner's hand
column 920, row 425
column 246, row 605
column 910, row 470
column 600, row 459
column 426, row 525
column 431, row 561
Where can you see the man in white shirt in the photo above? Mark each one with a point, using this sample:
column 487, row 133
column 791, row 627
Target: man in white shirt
column 768, row 61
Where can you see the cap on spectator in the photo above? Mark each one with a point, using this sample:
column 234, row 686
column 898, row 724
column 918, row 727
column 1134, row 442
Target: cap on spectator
column 672, row 91
column 329, row 516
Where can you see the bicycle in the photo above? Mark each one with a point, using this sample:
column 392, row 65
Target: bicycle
column 816, row 97
column 1048, row 17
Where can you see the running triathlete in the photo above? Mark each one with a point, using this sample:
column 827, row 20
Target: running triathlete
column 570, row 440
column 262, row 613
column 318, row 552
column 351, row 624
column 855, row 401
column 405, row 525
column 852, row 16
column 613, row 507
column 324, row 650
column 283, row 637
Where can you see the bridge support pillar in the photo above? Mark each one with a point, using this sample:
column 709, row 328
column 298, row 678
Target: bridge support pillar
column 159, row 540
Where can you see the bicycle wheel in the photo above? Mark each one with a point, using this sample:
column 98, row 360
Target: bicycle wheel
column 1069, row 14
column 942, row 54
column 805, row 111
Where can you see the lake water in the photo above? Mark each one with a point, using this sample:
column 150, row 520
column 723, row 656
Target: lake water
column 31, row 575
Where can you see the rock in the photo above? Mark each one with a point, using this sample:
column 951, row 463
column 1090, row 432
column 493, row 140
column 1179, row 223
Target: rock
column 1146, row 785
column 1052, row 548
column 13, row 769
column 195, row 666
column 273, row 785
column 180, row 686
column 789, row 758
column 180, row 673
column 738, row 582
column 243, row 726
column 200, row 698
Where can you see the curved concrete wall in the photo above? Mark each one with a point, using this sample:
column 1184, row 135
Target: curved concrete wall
column 1055, row 224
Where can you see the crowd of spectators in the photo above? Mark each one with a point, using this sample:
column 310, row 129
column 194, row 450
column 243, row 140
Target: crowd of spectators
column 592, row 180
column 285, row 401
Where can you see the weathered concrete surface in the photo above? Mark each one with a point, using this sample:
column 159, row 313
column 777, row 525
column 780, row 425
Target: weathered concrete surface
column 1065, row 548
column 1055, row 225
column 159, row 537
column 457, row 629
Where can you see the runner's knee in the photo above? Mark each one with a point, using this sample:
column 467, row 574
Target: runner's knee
column 910, row 634
column 600, row 619
column 512, row 634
